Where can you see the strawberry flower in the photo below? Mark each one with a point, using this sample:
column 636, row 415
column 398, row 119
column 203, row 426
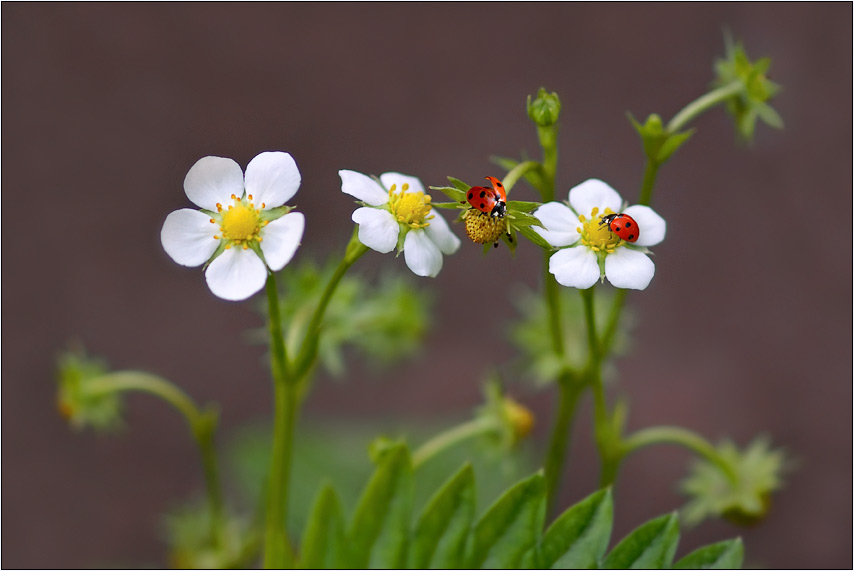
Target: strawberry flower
column 590, row 251
column 242, row 229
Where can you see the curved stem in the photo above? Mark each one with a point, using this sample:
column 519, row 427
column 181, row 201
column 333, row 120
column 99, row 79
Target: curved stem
column 452, row 437
column 679, row 436
column 702, row 104
column 202, row 426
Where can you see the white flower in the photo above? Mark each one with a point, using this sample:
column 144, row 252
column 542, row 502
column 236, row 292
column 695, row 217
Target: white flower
column 399, row 215
column 590, row 250
column 242, row 228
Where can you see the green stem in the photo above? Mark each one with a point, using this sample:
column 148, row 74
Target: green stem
column 452, row 437
column 650, row 173
column 702, row 104
column 517, row 172
column 570, row 393
column 613, row 322
column 202, row 426
column 548, row 142
column 682, row 437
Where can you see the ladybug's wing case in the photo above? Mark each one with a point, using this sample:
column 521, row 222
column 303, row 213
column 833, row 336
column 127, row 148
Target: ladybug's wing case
column 481, row 198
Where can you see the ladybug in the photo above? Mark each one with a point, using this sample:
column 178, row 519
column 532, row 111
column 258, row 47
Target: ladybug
column 492, row 201
column 623, row 226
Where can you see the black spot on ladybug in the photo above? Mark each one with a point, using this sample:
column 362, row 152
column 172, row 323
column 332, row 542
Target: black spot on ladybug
column 631, row 236
column 471, row 195
column 616, row 227
column 482, row 193
column 500, row 185
column 482, row 205
column 628, row 224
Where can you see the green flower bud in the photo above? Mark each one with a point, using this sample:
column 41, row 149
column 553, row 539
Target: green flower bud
column 545, row 109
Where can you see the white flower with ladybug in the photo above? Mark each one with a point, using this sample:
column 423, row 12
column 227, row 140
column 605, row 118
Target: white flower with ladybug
column 599, row 238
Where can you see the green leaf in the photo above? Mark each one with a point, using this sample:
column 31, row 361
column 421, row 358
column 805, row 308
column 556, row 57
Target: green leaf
column 449, row 205
column 522, row 205
column 528, row 233
column 323, row 541
column 578, row 538
column 453, row 193
column 672, row 143
column 510, row 527
column 379, row 531
column 522, row 219
column 723, row 555
column 441, row 532
column 650, row 546
column 458, row 184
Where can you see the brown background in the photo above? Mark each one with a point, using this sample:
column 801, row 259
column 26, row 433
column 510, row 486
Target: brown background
column 745, row 329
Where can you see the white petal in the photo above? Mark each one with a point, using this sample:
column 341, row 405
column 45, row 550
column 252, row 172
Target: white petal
column 629, row 269
column 422, row 255
column 575, row 267
column 272, row 178
column 440, row 233
column 652, row 226
column 594, row 193
column 281, row 238
column 396, row 179
column 363, row 188
column 188, row 237
column 212, row 180
column 378, row 230
column 561, row 224
column 236, row 274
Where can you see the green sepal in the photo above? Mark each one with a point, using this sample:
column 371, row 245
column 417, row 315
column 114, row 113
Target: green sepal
column 522, row 205
column 441, row 532
column 401, row 237
column 768, row 115
column 658, row 144
column 722, row 555
column 452, row 192
column 531, row 235
column 458, row 184
column 544, row 110
column 450, row 205
column 650, row 546
column 273, row 213
column 578, row 538
column 220, row 248
column 323, row 540
column 534, row 177
column 379, row 531
column 509, row 528
column 523, row 220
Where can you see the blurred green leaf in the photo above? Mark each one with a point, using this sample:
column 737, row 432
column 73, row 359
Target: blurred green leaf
column 723, row 555
column 510, row 527
column 191, row 545
column 323, row 540
column 650, row 546
column 379, row 532
column 440, row 535
column 578, row 538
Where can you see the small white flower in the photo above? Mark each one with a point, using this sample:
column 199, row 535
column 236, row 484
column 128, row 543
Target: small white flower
column 590, row 250
column 242, row 228
column 398, row 214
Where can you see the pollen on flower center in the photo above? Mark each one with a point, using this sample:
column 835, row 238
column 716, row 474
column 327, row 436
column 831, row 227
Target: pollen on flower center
column 240, row 222
column 597, row 236
column 410, row 208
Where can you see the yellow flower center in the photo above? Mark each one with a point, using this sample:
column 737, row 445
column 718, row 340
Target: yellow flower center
column 597, row 236
column 482, row 228
column 240, row 222
column 410, row 208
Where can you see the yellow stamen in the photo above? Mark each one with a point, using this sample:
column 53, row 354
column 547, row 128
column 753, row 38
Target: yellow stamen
column 410, row 208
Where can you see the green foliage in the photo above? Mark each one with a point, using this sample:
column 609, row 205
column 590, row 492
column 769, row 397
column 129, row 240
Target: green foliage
column 658, row 143
column 446, row 534
column 77, row 402
column 385, row 322
column 751, row 103
column 744, row 495
column 542, row 363
column 191, row 545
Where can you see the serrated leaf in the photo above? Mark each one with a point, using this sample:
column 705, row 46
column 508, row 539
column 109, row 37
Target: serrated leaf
column 379, row 531
column 578, row 538
column 509, row 528
column 451, row 192
column 440, row 535
column 650, row 546
column 522, row 205
column 672, row 143
column 323, row 541
column 723, row 555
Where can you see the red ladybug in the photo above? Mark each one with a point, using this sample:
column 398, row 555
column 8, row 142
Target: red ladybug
column 492, row 201
column 623, row 226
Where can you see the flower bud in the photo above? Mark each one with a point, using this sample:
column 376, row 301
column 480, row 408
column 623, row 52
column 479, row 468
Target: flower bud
column 545, row 109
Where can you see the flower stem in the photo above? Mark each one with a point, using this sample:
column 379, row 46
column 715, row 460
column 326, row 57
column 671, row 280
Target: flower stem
column 569, row 395
column 548, row 141
column 702, row 104
column 682, row 437
column 650, row 173
column 452, row 437
column 202, row 425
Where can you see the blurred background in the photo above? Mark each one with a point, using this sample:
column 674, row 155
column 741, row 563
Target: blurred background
column 745, row 329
